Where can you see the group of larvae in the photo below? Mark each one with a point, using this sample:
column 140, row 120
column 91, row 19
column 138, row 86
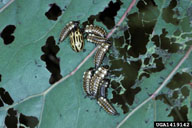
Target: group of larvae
column 94, row 82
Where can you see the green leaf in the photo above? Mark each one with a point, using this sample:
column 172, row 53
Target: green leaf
column 146, row 48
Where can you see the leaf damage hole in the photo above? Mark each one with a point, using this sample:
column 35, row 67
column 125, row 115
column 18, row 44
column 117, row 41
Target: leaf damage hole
column 108, row 15
column 128, row 96
column 54, row 12
column 165, row 43
column 7, row 34
column 168, row 13
column 141, row 25
column 5, row 98
column 180, row 114
column 179, row 80
column 50, row 50
column 15, row 119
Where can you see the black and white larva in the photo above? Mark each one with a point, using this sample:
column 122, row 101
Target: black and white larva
column 86, row 81
column 104, row 103
column 100, row 53
column 99, row 75
column 96, row 39
column 67, row 29
column 76, row 40
column 103, row 88
column 96, row 30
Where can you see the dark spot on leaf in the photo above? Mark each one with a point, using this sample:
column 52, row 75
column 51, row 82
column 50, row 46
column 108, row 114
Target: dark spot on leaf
column 54, row 12
column 175, row 94
column 168, row 13
column 185, row 91
column 5, row 97
column 12, row 118
column 50, row 50
column 28, row 121
column 179, row 114
column 36, row 63
column 114, row 84
column 146, row 61
column 144, row 75
column 147, row 121
column 159, row 66
column 165, row 43
column 179, row 80
column 164, row 98
column 1, row 103
column 6, row 34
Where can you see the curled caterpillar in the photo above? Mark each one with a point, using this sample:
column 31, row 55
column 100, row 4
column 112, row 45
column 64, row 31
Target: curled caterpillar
column 99, row 75
column 104, row 103
column 76, row 40
column 86, row 81
column 67, row 29
column 96, row 30
column 96, row 39
column 100, row 53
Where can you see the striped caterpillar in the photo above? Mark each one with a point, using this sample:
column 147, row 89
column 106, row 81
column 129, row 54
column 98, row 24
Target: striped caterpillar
column 104, row 103
column 67, row 29
column 96, row 30
column 86, row 81
column 100, row 53
column 96, row 39
column 99, row 75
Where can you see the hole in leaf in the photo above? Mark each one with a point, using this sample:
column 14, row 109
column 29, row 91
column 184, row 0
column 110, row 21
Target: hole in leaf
column 6, row 34
column 28, row 121
column 128, row 95
column 107, row 16
column 14, row 119
column 179, row 80
column 11, row 119
column 168, row 13
column 179, row 114
column 54, row 12
column 5, row 97
column 165, row 43
column 50, row 50
column 185, row 91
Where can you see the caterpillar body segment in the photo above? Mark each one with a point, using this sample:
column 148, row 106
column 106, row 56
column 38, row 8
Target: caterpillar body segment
column 103, row 88
column 100, row 54
column 96, row 39
column 96, row 30
column 104, row 103
column 86, row 81
column 67, row 29
column 99, row 75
